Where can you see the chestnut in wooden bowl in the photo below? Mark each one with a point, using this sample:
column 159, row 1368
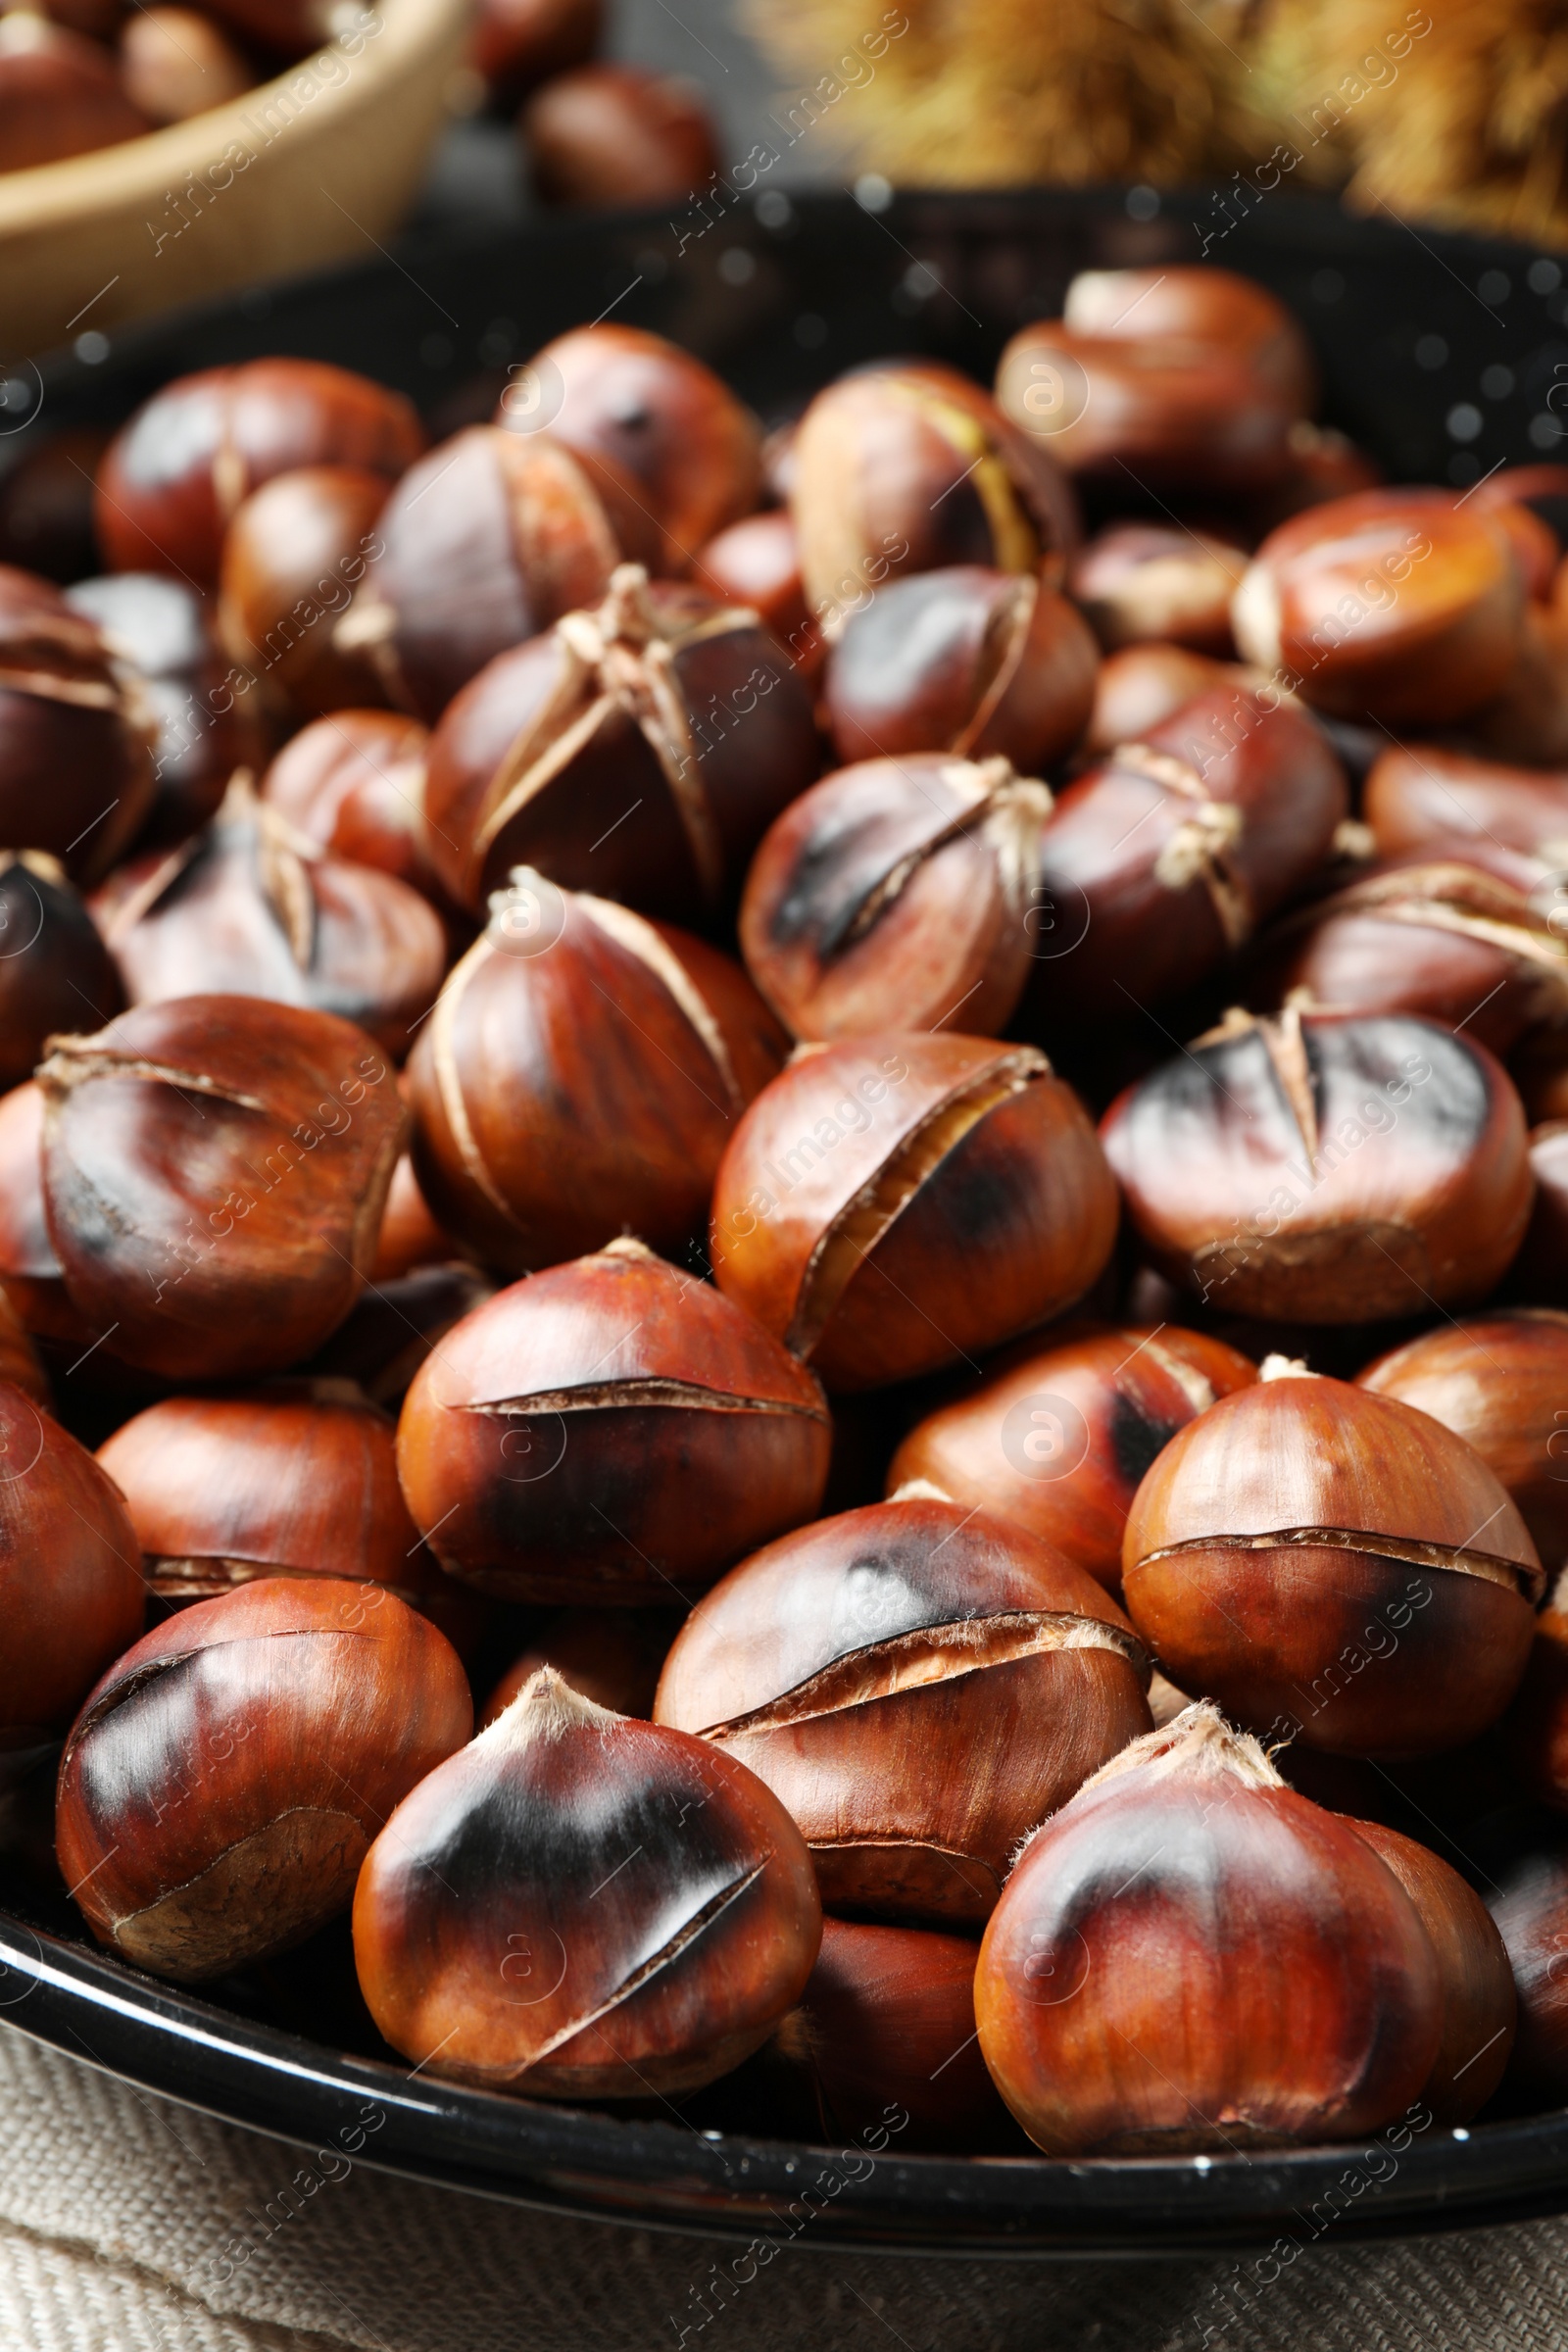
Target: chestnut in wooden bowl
column 54, row 967
column 1059, row 1434
column 963, row 659
column 76, row 733
column 584, row 1906
column 214, row 1171
column 1326, row 1167
column 225, row 1779
column 1191, row 1956
column 638, row 751
column 897, row 894
column 892, row 1203
column 553, row 1445
column 1333, row 1565
column 919, row 1682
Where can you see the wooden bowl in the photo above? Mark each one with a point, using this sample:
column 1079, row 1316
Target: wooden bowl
column 315, row 165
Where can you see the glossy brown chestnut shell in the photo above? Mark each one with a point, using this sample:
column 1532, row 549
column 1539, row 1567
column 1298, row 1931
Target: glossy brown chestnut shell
column 1059, row 1434
column 293, row 556
column 1192, row 1956
column 54, row 967
column 225, row 1781
column 214, row 1171
column 1529, row 1901
column 898, row 892
column 919, row 1682
column 1152, row 582
column 584, row 1906
column 1326, row 1167
column 19, row 1365
column 354, row 783
column 889, row 1204
column 1423, row 793
column 1141, row 685
column 551, row 1448
column 613, row 136
column 76, row 733
column 638, row 751
column 1332, row 1565
column 60, row 94
column 581, row 1075
column 1540, row 1269
column 756, row 563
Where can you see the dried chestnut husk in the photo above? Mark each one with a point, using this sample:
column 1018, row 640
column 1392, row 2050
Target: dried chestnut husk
column 551, row 1448
column 1334, row 1565
column 897, row 894
column 919, row 1682
column 613, row 1656
column 215, row 1173
column 1192, row 1956
column 354, row 783
column 293, row 554
column 963, row 659
column 616, row 135
column 53, row 965
column 249, row 907
column 584, row 1906
column 225, row 1779
column 1143, row 582
column 77, row 732
column 1057, row 1435
column 1326, row 1167
column 889, row 1204
column 640, row 751
column 580, row 1076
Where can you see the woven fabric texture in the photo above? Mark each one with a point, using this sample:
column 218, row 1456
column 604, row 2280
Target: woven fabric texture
column 131, row 2224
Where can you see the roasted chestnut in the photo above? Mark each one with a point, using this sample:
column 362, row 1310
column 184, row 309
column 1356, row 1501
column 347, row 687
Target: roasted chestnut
column 176, row 475
column 46, row 503
column 519, row 43
column 1141, row 583
column 1332, row 1565
column 887, row 2022
column 1057, row 1435
column 580, row 1076
column 30, row 1271
column 54, row 967
column 1534, row 1730
column 613, row 1656
column 1326, row 1167
column 907, row 466
column 293, row 556
column 1199, row 305
column 891, row 1205
column 1192, row 1956
column 1528, row 1898
column 59, row 94
column 1141, row 685
column 640, row 751
column 756, row 561
column 410, row 1236
column 71, row 1596
column 20, row 1367
column 77, row 732
column 964, row 660
column 584, row 1906
column 176, row 63
column 616, row 135
column 550, row 1447
column 898, row 892
column 299, row 1480
column 1393, row 604
column 689, row 448
column 224, row 1780
column 249, row 907
column 353, row 782
column 214, row 1173
column 1500, row 1381
column 1540, row 1269
column 919, row 1682
column 206, row 725
column 1421, row 794
column 1162, row 860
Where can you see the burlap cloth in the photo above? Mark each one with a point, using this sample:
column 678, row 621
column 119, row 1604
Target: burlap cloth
column 130, row 2225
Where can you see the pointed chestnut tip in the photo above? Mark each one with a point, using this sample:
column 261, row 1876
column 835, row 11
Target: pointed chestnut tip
column 920, row 1490
column 546, row 1707
column 1196, row 1740
column 633, row 1252
column 1286, row 1367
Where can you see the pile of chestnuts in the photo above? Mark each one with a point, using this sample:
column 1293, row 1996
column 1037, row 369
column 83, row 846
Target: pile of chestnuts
column 784, row 1238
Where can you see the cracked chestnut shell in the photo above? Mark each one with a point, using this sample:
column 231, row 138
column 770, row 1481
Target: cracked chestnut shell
column 53, row 965
column 1500, row 1382
column 214, row 1171
column 580, row 1076
column 919, row 1684
column 907, row 466
column 249, row 907
column 553, row 1446
column 354, row 784
column 1326, row 1167
column 639, row 750
column 892, row 1203
column 1394, row 606
column 71, row 1596
column 898, row 892
column 1192, row 1956
column 1058, row 1435
column 225, row 1781
column 1333, row 1565
column 172, row 478
column 584, row 1906
column 1156, row 582
column 1162, row 860
column 77, row 732
column 963, row 659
